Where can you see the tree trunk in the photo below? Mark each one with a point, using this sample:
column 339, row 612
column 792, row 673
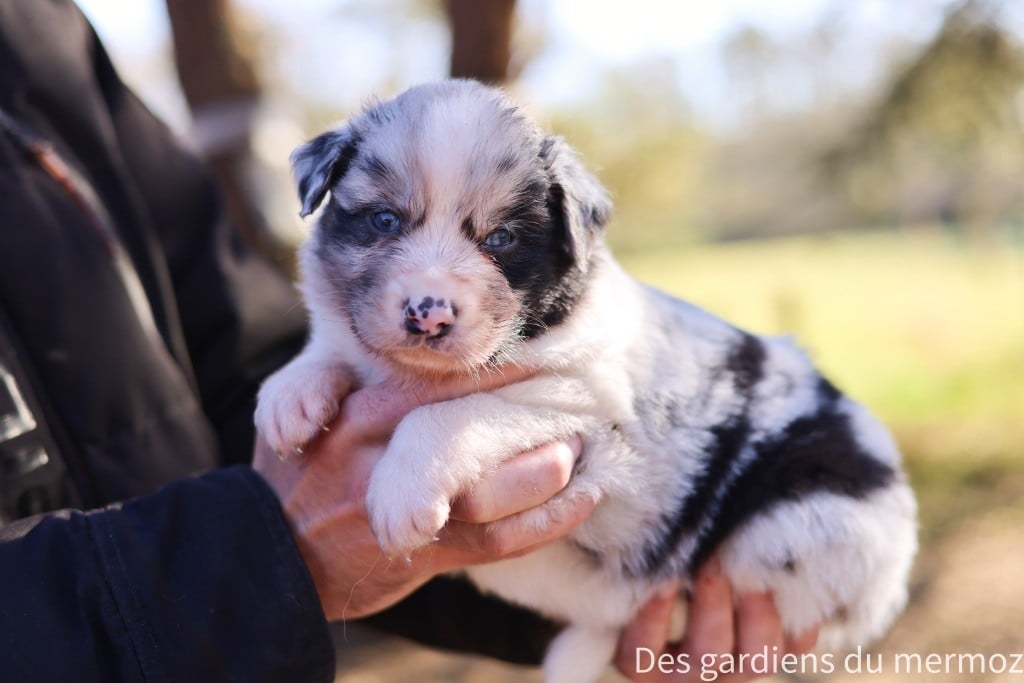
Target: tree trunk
column 223, row 92
column 481, row 38
column 211, row 66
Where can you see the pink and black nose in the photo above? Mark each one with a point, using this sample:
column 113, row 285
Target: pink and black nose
column 431, row 317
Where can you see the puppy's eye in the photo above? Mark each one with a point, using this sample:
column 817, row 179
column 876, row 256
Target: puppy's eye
column 386, row 221
column 502, row 237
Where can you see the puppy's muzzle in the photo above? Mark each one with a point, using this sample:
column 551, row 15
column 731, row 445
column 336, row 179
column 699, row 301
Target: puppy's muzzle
column 431, row 317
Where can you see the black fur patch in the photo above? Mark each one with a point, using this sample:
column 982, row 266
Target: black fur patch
column 538, row 263
column 729, row 440
column 827, row 393
column 746, row 363
column 341, row 228
column 743, row 368
column 325, row 159
column 817, row 452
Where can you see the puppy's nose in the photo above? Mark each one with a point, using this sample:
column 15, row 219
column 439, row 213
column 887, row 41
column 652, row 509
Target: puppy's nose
column 431, row 317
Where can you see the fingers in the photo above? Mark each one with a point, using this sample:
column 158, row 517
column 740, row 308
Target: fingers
column 804, row 642
column 754, row 625
column 758, row 624
column 711, row 612
column 373, row 412
column 758, row 630
column 717, row 629
column 648, row 630
column 526, row 481
column 467, row 543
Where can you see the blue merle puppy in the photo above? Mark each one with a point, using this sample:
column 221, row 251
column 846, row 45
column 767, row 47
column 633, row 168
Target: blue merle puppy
column 456, row 236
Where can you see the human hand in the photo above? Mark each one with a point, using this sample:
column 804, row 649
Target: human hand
column 715, row 627
column 323, row 497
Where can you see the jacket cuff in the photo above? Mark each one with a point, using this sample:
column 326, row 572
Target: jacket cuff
column 209, row 584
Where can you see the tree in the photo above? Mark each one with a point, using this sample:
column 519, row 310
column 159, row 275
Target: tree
column 944, row 138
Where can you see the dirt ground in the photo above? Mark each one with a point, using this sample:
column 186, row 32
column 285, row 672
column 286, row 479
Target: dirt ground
column 967, row 597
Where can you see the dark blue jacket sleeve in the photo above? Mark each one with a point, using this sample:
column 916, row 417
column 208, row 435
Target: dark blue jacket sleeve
column 191, row 583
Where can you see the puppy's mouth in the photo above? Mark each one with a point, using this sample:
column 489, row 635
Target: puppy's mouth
column 438, row 340
column 445, row 356
column 432, row 357
column 430, row 346
column 420, row 355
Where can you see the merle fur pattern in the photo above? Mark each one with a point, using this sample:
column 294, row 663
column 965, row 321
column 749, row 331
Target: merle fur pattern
column 699, row 438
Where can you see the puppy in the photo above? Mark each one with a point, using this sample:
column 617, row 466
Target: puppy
column 458, row 237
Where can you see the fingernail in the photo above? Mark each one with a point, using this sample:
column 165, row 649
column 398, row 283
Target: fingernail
column 575, row 444
column 804, row 642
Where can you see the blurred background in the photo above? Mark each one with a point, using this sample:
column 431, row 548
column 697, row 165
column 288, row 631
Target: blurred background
column 848, row 171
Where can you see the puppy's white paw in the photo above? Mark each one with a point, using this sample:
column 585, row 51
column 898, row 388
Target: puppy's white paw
column 405, row 510
column 296, row 403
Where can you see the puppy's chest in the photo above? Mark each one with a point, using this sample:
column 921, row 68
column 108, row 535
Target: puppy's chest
column 648, row 464
column 699, row 397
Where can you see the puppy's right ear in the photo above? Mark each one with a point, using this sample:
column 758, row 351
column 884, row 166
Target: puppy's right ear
column 319, row 163
column 576, row 196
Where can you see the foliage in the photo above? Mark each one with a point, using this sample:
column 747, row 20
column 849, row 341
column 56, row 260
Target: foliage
column 937, row 136
column 653, row 169
column 945, row 140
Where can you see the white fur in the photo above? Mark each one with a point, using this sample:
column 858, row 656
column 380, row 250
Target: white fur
column 632, row 371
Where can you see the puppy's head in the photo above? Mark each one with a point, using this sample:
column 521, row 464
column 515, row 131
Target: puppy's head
column 454, row 229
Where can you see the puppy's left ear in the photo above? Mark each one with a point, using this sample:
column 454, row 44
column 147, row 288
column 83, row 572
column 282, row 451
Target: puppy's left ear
column 319, row 163
column 575, row 196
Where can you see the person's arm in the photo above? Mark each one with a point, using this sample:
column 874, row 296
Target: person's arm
column 205, row 580
column 200, row 581
column 323, row 494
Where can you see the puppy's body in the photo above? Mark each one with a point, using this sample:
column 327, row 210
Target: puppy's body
column 697, row 437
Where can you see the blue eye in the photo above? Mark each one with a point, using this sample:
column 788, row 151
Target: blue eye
column 499, row 238
column 386, row 221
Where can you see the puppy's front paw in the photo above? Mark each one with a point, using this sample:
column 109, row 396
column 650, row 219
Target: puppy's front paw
column 297, row 402
column 405, row 511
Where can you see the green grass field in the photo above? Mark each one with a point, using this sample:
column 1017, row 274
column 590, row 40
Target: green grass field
column 926, row 331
